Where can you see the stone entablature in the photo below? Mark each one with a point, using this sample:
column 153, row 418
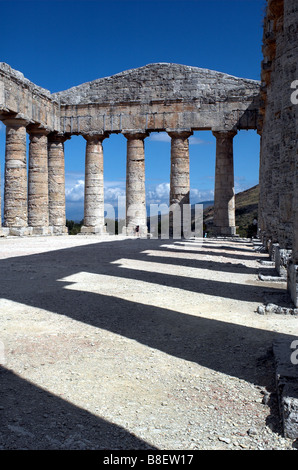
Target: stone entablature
column 22, row 99
column 158, row 97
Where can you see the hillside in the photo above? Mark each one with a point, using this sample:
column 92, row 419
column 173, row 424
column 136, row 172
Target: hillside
column 246, row 210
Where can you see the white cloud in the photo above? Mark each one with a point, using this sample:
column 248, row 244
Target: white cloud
column 160, row 137
column 112, row 194
column 76, row 192
column 197, row 141
column 159, row 194
column 199, row 196
column 75, row 184
column 164, row 137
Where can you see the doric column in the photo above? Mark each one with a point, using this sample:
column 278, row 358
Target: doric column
column 56, row 178
column 15, row 190
column 38, row 196
column 94, row 185
column 179, row 177
column 224, row 191
column 136, row 215
column 3, row 231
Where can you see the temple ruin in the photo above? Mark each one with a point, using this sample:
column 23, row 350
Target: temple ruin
column 160, row 97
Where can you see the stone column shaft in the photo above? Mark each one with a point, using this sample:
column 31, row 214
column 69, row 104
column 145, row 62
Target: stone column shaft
column 94, row 186
column 179, row 181
column 38, row 196
column 224, row 193
column 56, row 178
column 179, row 177
column 135, row 184
column 15, row 191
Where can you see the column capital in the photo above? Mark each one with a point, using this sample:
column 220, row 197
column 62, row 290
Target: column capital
column 96, row 137
column 58, row 137
column 179, row 133
column 34, row 130
column 225, row 134
column 138, row 134
column 15, row 121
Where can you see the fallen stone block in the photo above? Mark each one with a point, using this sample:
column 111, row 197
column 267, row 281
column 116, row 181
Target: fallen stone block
column 286, row 362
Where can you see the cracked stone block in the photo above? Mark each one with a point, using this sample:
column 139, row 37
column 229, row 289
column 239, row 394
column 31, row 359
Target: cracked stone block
column 287, row 384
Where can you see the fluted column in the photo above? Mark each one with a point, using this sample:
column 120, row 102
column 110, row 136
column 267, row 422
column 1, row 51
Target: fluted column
column 56, row 178
column 224, row 191
column 136, row 215
column 94, row 186
column 179, row 178
column 15, row 190
column 38, row 196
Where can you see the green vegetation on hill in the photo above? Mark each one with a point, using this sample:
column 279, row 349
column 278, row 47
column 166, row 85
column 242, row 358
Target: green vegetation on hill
column 74, row 227
column 246, row 210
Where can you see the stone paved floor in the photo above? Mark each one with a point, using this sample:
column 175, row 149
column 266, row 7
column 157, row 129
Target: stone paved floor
column 121, row 343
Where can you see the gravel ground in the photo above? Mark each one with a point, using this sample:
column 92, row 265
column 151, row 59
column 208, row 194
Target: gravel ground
column 119, row 343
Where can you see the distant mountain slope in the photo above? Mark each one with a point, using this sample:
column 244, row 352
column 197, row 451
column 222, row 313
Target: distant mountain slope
column 246, row 210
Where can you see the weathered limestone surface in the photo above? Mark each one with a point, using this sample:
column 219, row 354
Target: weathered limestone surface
column 135, row 183
column 287, row 387
column 56, row 176
column 278, row 207
column 278, row 169
column 179, row 178
column 24, row 99
column 15, row 193
column 38, row 199
column 224, row 192
column 158, row 97
column 279, row 134
column 94, row 186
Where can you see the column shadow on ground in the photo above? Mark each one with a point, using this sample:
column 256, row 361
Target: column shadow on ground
column 32, row 418
column 219, row 345
column 211, row 265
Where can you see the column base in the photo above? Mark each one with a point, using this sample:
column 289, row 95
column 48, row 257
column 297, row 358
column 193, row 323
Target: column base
column 4, row 231
column 41, row 231
column 100, row 230
column 19, row 231
column 32, row 231
column 225, row 231
column 131, row 231
column 282, row 258
column 293, row 282
column 273, row 248
column 59, row 230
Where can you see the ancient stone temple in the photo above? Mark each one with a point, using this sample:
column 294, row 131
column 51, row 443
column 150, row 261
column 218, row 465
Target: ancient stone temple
column 173, row 98
column 161, row 97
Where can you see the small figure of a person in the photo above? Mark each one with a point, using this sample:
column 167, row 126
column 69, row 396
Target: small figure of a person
column 137, row 230
column 255, row 227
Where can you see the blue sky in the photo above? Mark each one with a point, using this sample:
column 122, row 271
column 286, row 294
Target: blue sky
column 59, row 44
